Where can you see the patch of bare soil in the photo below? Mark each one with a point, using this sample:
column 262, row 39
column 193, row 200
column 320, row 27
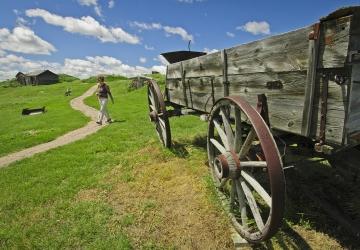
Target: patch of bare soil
column 166, row 204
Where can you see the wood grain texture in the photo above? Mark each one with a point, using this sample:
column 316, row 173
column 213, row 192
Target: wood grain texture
column 353, row 121
column 334, row 43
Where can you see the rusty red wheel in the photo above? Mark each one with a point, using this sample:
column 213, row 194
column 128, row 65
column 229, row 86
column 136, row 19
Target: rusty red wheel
column 158, row 114
column 247, row 168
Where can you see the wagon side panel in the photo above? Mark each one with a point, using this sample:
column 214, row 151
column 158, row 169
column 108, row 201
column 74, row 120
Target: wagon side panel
column 353, row 122
column 276, row 67
column 333, row 52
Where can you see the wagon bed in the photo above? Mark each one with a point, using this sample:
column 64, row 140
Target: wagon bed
column 297, row 71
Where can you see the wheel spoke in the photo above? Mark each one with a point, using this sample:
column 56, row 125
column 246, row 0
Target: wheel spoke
column 152, row 107
column 247, row 144
column 162, row 123
column 253, row 164
column 238, row 131
column 151, row 97
column 218, row 145
column 222, row 135
column 242, row 204
column 257, row 187
column 227, row 126
column 159, row 132
column 253, row 206
column 232, row 195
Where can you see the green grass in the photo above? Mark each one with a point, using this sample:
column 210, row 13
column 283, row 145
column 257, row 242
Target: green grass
column 63, row 198
column 67, row 78
column 38, row 205
column 18, row 132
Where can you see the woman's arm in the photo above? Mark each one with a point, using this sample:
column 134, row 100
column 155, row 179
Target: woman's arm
column 109, row 92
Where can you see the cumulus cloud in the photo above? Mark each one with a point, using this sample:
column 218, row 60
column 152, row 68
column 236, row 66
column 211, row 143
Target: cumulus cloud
column 86, row 25
column 97, row 7
column 111, row 4
column 179, row 31
column 10, row 65
column 142, row 59
column 229, row 34
column 256, row 28
column 168, row 29
column 162, row 60
column 82, row 68
column 24, row 40
column 146, row 26
column 148, row 47
column 209, row 51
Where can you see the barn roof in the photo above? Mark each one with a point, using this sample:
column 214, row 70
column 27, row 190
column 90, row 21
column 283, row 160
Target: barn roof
column 39, row 72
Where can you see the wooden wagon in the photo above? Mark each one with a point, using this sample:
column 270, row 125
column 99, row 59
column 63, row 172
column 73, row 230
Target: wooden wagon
column 305, row 82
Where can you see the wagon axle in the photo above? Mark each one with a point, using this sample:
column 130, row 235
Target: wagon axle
column 227, row 165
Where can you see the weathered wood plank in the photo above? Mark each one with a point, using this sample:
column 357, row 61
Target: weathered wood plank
column 353, row 121
column 334, row 42
column 310, row 81
column 285, row 52
column 208, row 65
column 336, row 108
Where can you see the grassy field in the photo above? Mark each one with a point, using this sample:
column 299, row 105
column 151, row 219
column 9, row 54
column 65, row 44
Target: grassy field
column 119, row 189
column 19, row 132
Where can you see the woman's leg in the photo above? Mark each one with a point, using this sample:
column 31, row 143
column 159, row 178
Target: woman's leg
column 103, row 108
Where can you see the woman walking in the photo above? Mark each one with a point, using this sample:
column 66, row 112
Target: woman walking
column 103, row 92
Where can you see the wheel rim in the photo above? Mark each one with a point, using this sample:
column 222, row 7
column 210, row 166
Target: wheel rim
column 247, row 168
column 158, row 114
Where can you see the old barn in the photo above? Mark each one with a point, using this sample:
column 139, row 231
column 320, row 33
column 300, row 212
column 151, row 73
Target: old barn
column 37, row 78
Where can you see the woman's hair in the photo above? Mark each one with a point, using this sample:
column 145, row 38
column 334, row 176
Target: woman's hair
column 101, row 78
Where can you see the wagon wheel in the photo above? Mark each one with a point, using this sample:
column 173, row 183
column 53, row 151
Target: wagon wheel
column 158, row 114
column 247, row 168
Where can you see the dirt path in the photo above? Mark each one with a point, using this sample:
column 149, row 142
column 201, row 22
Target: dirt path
column 77, row 104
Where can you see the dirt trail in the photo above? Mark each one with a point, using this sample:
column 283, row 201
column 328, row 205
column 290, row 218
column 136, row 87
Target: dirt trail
column 77, row 104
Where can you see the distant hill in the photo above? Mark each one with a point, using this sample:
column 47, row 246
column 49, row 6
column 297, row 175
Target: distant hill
column 67, row 78
column 108, row 78
column 10, row 83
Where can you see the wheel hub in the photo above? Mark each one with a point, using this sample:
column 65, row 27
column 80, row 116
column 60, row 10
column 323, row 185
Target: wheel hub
column 227, row 165
column 154, row 117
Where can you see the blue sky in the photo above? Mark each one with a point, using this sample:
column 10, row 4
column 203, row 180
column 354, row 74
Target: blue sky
column 89, row 37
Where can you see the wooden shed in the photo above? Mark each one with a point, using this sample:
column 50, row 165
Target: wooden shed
column 37, row 78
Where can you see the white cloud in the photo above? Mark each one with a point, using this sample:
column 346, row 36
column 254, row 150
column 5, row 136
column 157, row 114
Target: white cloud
column 256, row 28
column 179, row 31
column 168, row 29
column 229, row 34
column 97, row 7
column 142, row 59
column 209, row 51
column 159, row 68
column 98, row 10
column 146, row 26
column 149, row 47
column 10, row 65
column 24, row 40
column 111, row 4
column 20, row 21
column 162, row 60
column 87, row 2
column 82, row 68
column 86, row 25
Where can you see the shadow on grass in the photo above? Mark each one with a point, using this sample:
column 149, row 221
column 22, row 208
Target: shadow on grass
column 179, row 149
column 322, row 193
column 118, row 121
